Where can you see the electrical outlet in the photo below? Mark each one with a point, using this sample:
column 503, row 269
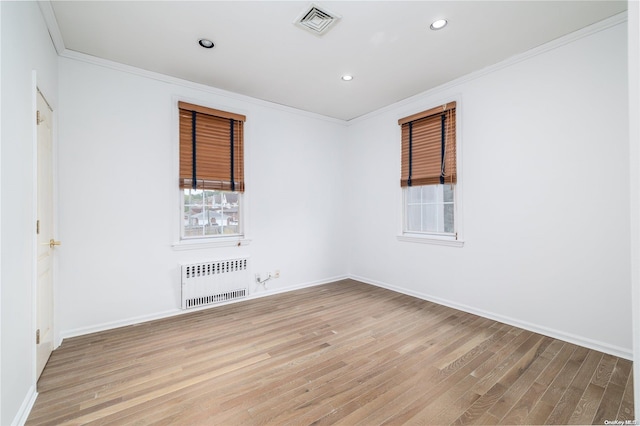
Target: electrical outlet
column 276, row 273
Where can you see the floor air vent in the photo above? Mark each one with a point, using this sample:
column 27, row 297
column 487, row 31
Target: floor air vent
column 316, row 20
column 213, row 282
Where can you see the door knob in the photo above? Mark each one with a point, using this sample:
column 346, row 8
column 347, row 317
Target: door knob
column 53, row 243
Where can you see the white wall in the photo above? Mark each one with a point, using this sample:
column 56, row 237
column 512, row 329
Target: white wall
column 545, row 181
column 119, row 208
column 26, row 47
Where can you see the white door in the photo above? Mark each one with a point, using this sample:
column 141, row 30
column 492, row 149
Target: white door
column 45, row 237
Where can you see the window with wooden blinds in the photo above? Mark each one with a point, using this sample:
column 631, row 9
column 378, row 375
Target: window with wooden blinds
column 429, row 147
column 211, row 149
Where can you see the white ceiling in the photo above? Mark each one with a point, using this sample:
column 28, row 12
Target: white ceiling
column 386, row 45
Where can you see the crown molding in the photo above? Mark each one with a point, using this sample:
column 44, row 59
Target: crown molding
column 607, row 23
column 52, row 25
column 94, row 60
column 56, row 36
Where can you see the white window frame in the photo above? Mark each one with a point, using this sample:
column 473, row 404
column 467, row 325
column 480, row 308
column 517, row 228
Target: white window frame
column 457, row 239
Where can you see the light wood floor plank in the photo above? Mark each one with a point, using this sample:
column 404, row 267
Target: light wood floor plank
column 587, row 406
column 513, row 367
column 556, row 389
column 625, row 413
column 342, row 353
column 614, row 392
column 569, row 401
column 526, row 404
column 525, row 380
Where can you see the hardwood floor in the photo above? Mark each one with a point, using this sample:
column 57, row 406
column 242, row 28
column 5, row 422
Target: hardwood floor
column 345, row 353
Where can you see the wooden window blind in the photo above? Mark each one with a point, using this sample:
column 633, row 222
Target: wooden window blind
column 429, row 147
column 211, row 148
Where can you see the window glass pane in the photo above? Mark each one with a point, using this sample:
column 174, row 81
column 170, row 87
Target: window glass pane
column 448, row 193
column 414, row 218
column 432, row 211
column 210, row 213
column 229, row 211
column 429, row 193
column 431, row 218
column 414, row 194
column 448, row 218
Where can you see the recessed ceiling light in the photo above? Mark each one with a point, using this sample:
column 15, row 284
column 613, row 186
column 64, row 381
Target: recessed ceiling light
column 207, row 44
column 439, row 24
column 347, row 77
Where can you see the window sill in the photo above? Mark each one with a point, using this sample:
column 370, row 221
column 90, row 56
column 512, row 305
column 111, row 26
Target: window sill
column 210, row 243
column 431, row 240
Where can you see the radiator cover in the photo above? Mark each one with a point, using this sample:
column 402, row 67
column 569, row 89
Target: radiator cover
column 208, row 283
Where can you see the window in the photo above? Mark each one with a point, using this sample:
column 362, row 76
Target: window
column 429, row 173
column 430, row 209
column 210, row 213
column 211, row 171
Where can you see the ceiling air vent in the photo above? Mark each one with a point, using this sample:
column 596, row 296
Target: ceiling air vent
column 316, row 20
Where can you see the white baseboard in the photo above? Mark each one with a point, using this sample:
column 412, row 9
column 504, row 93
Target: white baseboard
column 626, row 353
column 23, row 413
column 173, row 312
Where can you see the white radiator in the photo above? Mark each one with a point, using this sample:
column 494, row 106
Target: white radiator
column 214, row 282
